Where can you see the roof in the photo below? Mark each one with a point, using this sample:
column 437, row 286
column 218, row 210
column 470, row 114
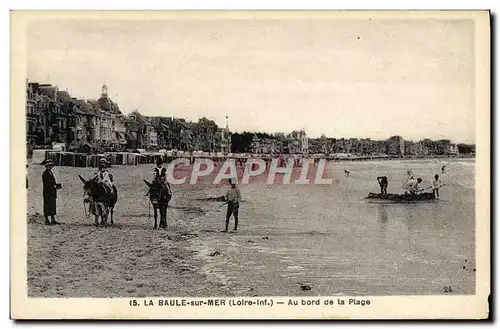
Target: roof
column 47, row 90
column 94, row 106
column 141, row 118
column 181, row 122
column 82, row 107
column 63, row 95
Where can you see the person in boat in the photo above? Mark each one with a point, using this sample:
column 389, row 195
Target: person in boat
column 409, row 185
column 103, row 176
column 436, row 184
column 417, row 187
column 347, row 172
column 383, row 182
column 405, row 185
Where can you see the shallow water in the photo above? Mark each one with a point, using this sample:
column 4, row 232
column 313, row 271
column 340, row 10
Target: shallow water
column 328, row 237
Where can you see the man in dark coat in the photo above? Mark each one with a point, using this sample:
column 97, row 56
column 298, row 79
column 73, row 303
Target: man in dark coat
column 383, row 182
column 50, row 188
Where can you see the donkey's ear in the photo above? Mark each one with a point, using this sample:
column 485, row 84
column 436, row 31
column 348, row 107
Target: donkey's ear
column 82, row 179
column 147, row 183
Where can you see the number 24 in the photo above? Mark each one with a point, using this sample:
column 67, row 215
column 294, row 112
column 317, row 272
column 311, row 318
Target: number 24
column 447, row 289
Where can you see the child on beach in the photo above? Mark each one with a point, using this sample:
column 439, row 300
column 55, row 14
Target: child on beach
column 436, row 184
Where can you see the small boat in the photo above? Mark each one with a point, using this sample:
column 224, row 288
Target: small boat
column 400, row 198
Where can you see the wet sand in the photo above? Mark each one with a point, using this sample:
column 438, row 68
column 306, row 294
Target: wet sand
column 289, row 237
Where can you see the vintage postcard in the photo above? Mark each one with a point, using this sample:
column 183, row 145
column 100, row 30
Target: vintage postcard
column 250, row 164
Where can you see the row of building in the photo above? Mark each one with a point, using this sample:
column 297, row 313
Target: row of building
column 53, row 117
column 297, row 142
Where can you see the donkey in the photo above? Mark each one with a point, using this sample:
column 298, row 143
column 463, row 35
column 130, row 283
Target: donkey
column 159, row 196
column 102, row 203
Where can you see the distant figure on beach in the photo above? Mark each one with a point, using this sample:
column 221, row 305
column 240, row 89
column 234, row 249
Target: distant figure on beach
column 436, row 184
column 443, row 169
column 50, row 187
column 383, row 182
column 233, row 197
column 347, row 172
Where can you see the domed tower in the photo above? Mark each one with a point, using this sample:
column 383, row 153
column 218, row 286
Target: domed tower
column 105, row 103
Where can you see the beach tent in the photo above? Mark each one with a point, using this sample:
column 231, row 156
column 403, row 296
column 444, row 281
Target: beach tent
column 112, row 158
column 131, row 159
column 39, row 156
column 67, row 159
column 80, row 160
column 59, row 147
column 54, row 156
column 142, row 159
column 121, row 158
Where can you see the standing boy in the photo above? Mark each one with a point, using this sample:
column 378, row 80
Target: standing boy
column 436, row 184
column 233, row 197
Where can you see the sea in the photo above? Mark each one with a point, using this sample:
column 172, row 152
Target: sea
column 329, row 239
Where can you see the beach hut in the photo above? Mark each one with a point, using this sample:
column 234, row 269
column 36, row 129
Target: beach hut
column 131, row 159
column 54, row 156
column 66, row 159
column 92, row 160
column 119, row 158
column 61, row 147
column 80, row 160
column 39, row 156
column 112, row 158
column 158, row 156
column 142, row 159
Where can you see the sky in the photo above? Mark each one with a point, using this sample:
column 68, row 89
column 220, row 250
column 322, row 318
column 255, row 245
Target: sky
column 352, row 78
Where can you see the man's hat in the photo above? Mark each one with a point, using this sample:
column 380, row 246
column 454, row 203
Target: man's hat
column 48, row 162
column 103, row 160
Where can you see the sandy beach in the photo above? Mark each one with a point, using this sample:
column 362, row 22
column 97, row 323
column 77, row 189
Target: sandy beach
column 324, row 237
column 77, row 259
